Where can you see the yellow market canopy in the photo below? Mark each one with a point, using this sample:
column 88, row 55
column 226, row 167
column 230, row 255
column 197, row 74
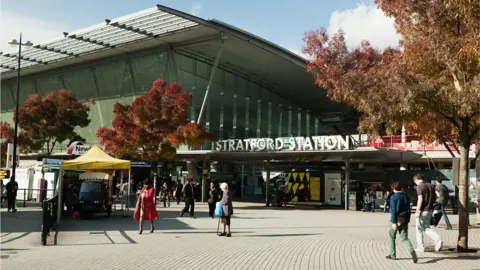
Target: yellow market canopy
column 94, row 159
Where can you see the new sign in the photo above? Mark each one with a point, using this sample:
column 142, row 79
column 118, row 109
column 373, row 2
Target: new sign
column 313, row 143
column 79, row 148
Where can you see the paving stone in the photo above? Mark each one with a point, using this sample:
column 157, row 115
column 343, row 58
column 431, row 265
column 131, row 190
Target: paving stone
column 263, row 238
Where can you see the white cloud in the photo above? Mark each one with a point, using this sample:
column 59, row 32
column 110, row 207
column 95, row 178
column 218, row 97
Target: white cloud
column 195, row 9
column 33, row 29
column 364, row 23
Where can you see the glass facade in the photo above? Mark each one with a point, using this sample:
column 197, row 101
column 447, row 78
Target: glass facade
column 237, row 106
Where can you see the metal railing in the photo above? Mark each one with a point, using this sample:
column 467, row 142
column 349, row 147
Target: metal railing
column 31, row 196
column 49, row 217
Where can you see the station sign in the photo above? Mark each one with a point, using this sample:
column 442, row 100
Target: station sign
column 312, row 143
column 4, row 174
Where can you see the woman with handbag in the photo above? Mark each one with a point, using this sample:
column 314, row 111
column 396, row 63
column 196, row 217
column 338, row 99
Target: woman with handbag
column 227, row 208
column 213, row 197
column 146, row 206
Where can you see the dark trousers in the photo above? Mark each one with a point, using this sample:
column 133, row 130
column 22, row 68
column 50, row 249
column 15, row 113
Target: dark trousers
column 189, row 204
column 211, row 209
column 449, row 226
column 178, row 200
column 11, row 202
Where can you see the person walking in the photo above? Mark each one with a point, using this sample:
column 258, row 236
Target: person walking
column 189, row 194
column 386, row 204
column 11, row 188
column 227, row 208
column 178, row 191
column 3, row 193
column 146, row 206
column 399, row 219
column 423, row 215
column 213, row 197
column 442, row 193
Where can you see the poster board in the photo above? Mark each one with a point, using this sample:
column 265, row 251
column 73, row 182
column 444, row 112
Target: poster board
column 333, row 188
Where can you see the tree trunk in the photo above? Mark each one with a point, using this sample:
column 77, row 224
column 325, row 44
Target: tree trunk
column 463, row 212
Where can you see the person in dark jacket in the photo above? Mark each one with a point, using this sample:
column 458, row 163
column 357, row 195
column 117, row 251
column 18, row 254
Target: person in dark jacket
column 189, row 194
column 442, row 193
column 227, row 207
column 213, row 197
column 11, row 188
column 178, row 191
column 399, row 219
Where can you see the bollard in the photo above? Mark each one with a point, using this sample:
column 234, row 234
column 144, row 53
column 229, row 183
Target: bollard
column 24, row 198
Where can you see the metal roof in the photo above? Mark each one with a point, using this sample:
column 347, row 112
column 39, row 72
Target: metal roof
column 113, row 34
column 251, row 55
column 136, row 27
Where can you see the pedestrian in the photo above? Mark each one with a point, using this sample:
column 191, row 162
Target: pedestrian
column 442, row 193
column 372, row 200
column 189, row 195
column 164, row 196
column 146, row 206
column 213, row 197
column 12, row 188
column 423, row 215
column 399, row 219
column 386, row 205
column 366, row 201
column 178, row 191
column 227, row 208
column 3, row 193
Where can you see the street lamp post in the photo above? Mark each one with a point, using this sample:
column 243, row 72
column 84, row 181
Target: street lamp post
column 19, row 43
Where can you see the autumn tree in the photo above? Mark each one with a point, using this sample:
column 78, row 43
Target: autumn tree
column 431, row 83
column 51, row 119
column 153, row 126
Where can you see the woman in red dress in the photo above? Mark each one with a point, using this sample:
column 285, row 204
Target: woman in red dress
column 146, row 206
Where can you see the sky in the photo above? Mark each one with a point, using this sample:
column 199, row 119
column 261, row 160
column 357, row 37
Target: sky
column 283, row 22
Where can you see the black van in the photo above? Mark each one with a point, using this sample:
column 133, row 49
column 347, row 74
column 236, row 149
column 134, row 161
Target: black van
column 94, row 198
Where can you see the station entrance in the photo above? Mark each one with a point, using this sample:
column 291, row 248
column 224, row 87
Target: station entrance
column 328, row 178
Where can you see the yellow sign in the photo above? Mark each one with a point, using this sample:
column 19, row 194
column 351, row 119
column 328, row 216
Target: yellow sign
column 4, row 174
column 315, row 188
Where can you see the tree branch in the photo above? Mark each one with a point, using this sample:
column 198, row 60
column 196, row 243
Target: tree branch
column 448, row 148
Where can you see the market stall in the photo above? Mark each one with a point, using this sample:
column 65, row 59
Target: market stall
column 94, row 159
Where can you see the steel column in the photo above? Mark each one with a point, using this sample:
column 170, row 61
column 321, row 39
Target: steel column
column 215, row 65
column 267, row 184
column 347, row 180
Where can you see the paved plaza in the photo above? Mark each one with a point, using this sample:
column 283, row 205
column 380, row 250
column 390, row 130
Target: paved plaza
column 262, row 239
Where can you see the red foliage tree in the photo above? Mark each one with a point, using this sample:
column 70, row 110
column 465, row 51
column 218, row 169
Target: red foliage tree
column 51, row 119
column 153, row 126
column 431, row 84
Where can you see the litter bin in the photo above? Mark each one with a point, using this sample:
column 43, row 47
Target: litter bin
column 352, row 201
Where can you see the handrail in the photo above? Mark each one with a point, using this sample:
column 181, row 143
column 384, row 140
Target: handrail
column 49, row 217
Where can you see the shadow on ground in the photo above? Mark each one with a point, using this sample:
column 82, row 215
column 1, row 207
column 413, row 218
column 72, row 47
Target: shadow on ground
column 123, row 221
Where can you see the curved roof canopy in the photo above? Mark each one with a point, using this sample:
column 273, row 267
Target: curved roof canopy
column 283, row 71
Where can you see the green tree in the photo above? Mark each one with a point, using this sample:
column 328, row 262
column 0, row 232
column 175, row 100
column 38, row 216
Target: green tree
column 431, row 83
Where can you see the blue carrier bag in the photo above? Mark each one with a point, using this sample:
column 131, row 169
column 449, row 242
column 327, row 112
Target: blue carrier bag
column 218, row 209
